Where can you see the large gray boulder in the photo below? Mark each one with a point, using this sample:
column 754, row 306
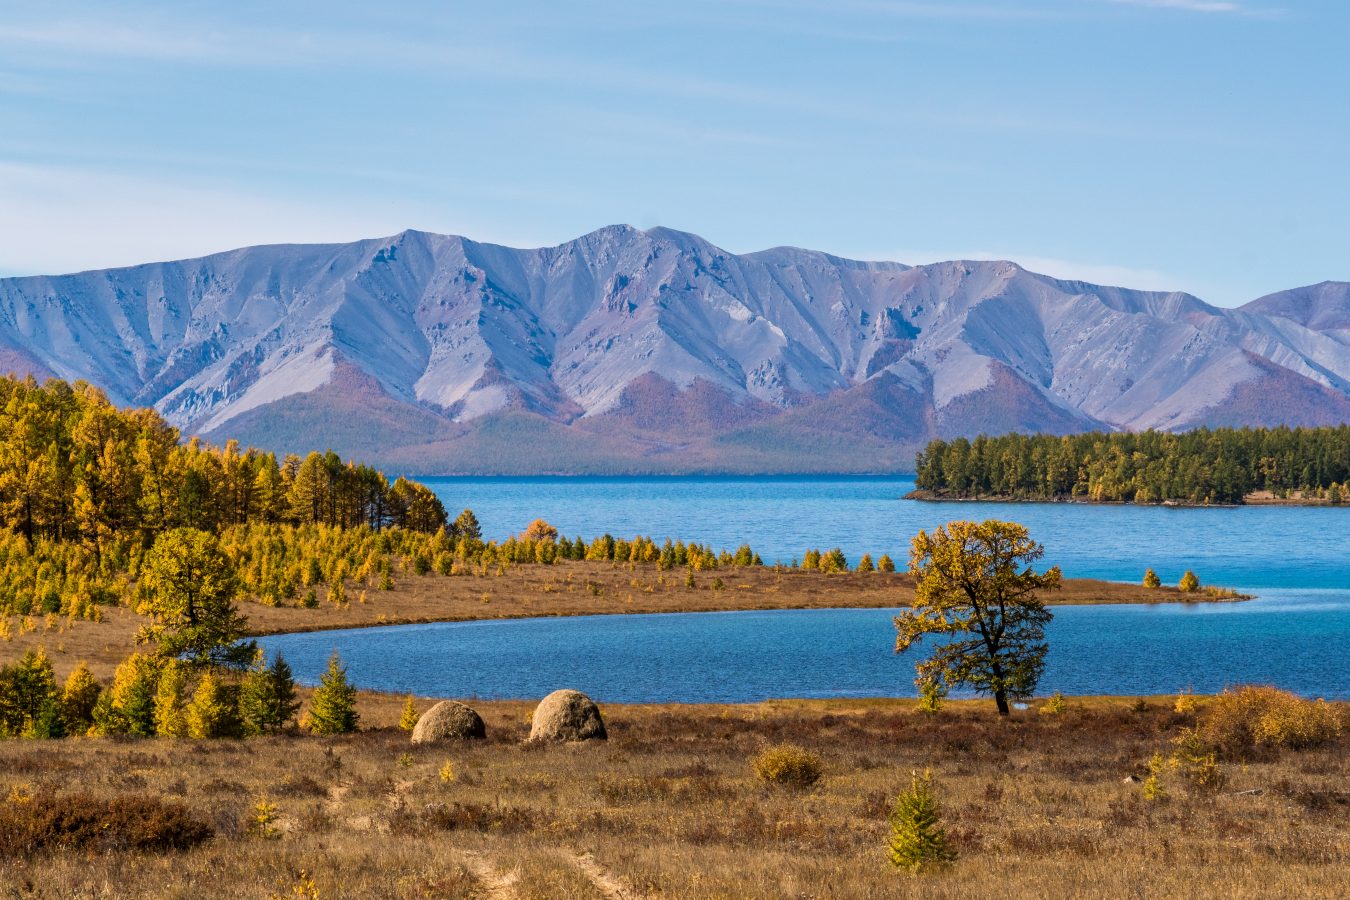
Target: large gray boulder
column 567, row 716
column 448, row 721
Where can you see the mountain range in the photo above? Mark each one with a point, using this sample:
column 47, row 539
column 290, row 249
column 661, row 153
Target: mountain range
column 656, row 351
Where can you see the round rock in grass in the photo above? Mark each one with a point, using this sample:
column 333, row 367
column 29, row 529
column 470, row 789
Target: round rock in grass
column 567, row 716
column 447, row 721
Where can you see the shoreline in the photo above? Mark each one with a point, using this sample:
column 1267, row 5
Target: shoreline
column 588, row 589
column 549, row 591
column 695, row 609
column 926, row 496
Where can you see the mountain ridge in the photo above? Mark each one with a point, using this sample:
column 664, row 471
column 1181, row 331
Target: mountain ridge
column 658, row 351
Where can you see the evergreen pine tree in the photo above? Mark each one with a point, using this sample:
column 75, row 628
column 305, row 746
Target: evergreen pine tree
column 128, row 707
column 834, row 561
column 29, row 698
column 332, row 708
column 190, row 587
column 467, row 528
column 284, row 705
column 78, row 699
column 170, row 716
column 213, row 712
column 918, row 843
column 865, row 563
column 267, row 696
column 1189, row 583
column 886, row 564
column 1151, row 579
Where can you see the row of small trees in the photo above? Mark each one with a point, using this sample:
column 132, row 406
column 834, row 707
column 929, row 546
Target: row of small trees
column 202, row 677
column 835, row 561
column 155, row 697
column 280, row 564
column 1188, row 584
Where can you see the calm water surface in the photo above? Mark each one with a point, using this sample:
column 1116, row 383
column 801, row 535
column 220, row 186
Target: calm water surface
column 1296, row 635
column 782, row 517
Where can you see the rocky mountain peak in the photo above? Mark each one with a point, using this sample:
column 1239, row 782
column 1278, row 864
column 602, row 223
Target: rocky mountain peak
column 472, row 348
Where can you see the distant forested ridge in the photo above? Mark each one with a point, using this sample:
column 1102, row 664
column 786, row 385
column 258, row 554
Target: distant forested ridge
column 1203, row 466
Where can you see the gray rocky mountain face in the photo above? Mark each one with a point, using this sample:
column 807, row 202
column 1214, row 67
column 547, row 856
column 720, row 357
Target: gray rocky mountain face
column 630, row 350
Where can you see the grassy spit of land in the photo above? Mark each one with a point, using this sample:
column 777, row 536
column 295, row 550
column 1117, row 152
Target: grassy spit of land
column 563, row 589
column 1038, row 806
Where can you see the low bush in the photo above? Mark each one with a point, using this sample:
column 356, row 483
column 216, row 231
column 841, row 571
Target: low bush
column 787, row 765
column 44, row 823
column 1249, row 719
column 482, row 817
column 1196, row 761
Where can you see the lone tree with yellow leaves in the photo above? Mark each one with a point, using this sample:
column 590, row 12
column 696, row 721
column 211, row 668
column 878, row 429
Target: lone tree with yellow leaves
column 189, row 586
column 975, row 584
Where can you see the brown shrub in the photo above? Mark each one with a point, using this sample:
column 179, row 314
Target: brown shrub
column 481, row 817
column 62, row 822
column 1320, row 800
column 635, row 789
column 787, row 765
column 1248, row 719
column 299, row 786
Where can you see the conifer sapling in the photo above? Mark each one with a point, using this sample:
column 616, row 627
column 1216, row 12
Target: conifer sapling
column 409, row 719
column 267, row 696
column 332, row 708
column 213, row 712
column 78, row 700
column 170, row 715
column 918, row 843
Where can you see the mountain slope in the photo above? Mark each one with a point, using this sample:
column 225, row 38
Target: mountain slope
column 657, row 351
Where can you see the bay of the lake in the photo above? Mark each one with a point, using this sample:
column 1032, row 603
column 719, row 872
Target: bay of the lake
column 1296, row 634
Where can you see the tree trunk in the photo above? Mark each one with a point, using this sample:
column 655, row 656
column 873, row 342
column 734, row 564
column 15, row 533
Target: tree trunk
column 1001, row 699
column 28, row 521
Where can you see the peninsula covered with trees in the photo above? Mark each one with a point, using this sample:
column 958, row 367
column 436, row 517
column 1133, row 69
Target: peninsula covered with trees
column 1204, row 466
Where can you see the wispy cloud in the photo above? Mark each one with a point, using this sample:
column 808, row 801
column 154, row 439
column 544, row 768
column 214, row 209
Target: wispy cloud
column 901, row 9
column 203, row 42
column 1202, row 6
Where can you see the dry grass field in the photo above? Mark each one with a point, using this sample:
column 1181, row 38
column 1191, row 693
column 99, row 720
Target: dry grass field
column 564, row 589
column 1036, row 806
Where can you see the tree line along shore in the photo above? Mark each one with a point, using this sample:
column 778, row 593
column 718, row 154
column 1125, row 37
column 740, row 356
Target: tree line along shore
column 109, row 513
column 1201, row 467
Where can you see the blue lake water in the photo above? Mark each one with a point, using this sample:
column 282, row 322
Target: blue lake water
column 781, row 517
column 1296, row 635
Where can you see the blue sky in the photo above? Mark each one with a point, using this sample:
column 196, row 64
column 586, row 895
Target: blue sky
column 1170, row 144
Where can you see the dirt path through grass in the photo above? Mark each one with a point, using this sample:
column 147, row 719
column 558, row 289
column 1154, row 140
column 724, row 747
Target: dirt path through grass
column 499, row 885
column 604, row 882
